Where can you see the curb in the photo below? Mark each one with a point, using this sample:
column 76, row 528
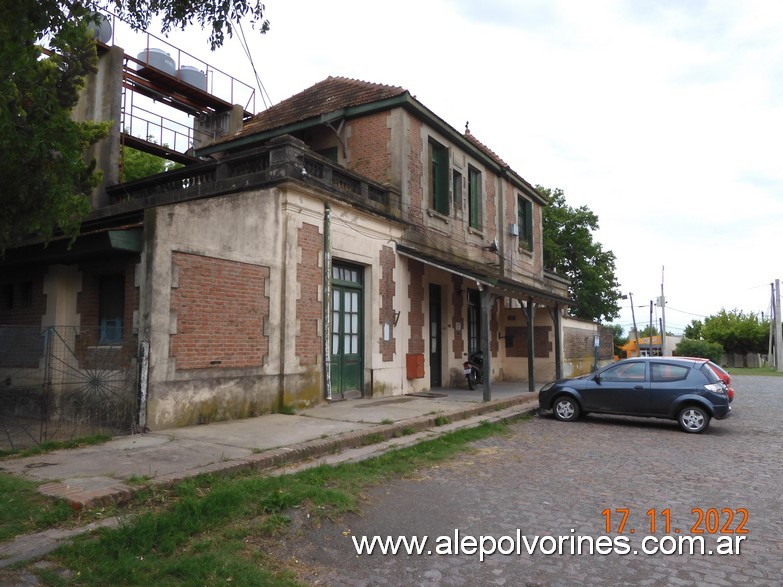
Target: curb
column 82, row 494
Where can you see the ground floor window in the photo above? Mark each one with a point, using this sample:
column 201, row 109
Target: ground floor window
column 474, row 321
column 111, row 308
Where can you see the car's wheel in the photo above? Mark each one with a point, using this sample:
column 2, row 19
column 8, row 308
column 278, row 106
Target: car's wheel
column 694, row 419
column 565, row 408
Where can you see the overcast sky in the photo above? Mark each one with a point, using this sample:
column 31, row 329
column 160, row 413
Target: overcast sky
column 665, row 118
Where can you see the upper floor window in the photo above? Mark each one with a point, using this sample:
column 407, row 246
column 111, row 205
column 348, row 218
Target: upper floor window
column 474, row 197
column 439, row 177
column 456, row 189
column 525, row 222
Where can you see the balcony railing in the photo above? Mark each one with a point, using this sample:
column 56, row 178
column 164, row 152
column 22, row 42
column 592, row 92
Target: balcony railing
column 285, row 158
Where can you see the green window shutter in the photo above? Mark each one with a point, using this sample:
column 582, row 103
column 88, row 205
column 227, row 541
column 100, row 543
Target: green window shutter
column 439, row 177
column 474, row 197
column 525, row 222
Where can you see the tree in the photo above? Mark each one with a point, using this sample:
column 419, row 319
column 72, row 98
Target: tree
column 645, row 332
column 688, row 347
column 737, row 332
column 137, row 164
column 569, row 249
column 618, row 334
column 44, row 181
column 43, row 177
column 693, row 330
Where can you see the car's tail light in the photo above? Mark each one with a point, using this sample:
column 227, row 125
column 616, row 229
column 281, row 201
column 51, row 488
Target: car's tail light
column 718, row 388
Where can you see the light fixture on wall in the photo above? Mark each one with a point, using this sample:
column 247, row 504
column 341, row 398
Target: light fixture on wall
column 396, row 316
column 492, row 247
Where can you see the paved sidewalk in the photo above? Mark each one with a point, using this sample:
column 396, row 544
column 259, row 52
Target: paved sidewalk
column 343, row 431
column 110, row 473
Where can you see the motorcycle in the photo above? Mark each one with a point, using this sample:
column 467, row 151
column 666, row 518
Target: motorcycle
column 474, row 369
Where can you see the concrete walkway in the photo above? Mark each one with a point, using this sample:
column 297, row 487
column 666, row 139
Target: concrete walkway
column 106, row 474
column 348, row 430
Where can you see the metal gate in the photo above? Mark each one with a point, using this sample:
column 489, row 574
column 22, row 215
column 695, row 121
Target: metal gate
column 58, row 383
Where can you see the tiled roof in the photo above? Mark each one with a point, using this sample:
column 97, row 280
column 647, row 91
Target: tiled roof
column 484, row 149
column 333, row 93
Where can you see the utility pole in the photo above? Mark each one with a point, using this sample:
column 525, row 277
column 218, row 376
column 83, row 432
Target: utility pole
column 635, row 330
column 778, row 348
column 649, row 347
column 663, row 318
column 771, row 323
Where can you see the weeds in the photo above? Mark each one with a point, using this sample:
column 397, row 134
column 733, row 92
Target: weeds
column 199, row 531
column 52, row 445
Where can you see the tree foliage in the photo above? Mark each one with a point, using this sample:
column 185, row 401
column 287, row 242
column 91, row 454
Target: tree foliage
column 220, row 17
column 645, row 332
column 693, row 330
column 137, row 164
column 44, row 180
column 618, row 334
column 571, row 251
column 689, row 347
column 737, row 332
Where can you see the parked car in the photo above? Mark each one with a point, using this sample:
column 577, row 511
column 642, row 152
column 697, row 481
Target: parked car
column 675, row 388
column 720, row 372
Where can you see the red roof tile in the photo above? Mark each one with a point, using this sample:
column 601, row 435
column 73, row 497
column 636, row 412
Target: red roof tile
column 329, row 95
column 484, row 149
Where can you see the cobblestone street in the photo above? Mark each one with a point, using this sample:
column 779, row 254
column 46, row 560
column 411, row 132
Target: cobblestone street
column 549, row 478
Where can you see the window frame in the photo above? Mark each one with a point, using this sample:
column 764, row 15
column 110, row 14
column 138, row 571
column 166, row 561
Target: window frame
column 456, row 189
column 110, row 324
column 474, row 197
column 525, row 222
column 439, row 177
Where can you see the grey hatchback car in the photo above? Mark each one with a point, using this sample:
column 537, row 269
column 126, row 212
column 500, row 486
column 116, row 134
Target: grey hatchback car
column 685, row 390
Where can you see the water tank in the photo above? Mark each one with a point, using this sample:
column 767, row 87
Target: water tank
column 101, row 28
column 158, row 59
column 193, row 76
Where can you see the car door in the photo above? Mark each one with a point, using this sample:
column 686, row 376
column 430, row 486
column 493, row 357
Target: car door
column 668, row 382
column 623, row 388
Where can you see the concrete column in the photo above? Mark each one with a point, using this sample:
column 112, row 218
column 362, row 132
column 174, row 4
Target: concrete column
column 101, row 101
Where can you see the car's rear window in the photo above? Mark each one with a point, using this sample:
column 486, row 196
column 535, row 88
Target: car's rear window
column 667, row 372
column 711, row 376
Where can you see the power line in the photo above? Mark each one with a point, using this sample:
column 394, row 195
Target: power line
column 246, row 48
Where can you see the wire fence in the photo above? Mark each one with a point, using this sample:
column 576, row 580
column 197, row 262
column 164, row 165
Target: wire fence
column 60, row 383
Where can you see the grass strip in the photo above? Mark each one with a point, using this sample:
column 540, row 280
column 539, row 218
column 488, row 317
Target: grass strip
column 197, row 533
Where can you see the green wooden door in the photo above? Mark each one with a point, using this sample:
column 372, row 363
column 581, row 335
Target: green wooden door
column 347, row 332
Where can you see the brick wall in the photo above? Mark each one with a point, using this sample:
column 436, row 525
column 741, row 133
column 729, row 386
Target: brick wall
column 368, row 147
column 22, row 300
column 387, row 288
column 220, row 308
column 489, row 219
column 415, row 172
column 88, row 302
column 309, row 311
column 577, row 343
column 416, row 314
column 516, row 341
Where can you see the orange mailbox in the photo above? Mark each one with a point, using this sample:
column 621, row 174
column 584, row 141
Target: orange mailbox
column 415, row 366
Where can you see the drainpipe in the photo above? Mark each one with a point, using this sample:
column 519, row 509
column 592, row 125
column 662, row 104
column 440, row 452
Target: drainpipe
column 327, row 301
column 143, row 383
